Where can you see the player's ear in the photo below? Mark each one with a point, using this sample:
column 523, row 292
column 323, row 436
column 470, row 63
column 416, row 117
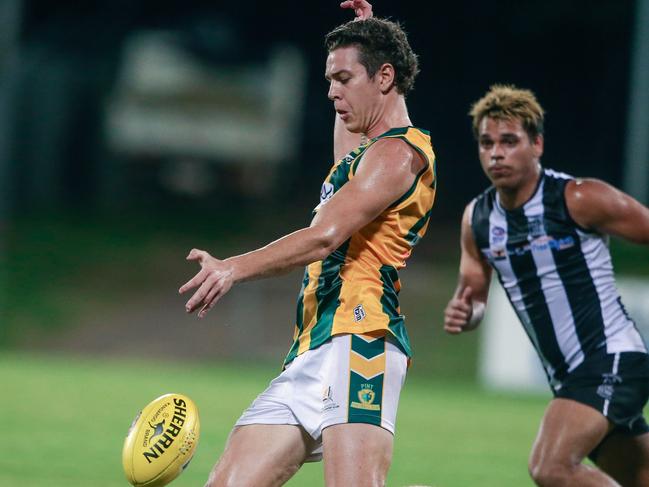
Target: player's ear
column 386, row 77
column 538, row 146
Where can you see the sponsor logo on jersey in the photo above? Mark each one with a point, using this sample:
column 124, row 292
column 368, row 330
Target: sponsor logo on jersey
column 539, row 244
column 326, row 192
column 359, row 313
column 498, row 235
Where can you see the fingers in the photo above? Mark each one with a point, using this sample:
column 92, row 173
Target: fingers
column 457, row 316
column 362, row 8
column 210, row 300
column 197, row 280
column 209, row 284
column 196, row 254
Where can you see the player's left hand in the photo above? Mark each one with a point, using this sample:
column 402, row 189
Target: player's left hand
column 213, row 281
column 362, row 8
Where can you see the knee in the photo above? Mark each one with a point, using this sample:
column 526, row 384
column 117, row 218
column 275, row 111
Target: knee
column 550, row 474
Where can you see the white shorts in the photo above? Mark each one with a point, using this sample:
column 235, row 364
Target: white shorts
column 349, row 379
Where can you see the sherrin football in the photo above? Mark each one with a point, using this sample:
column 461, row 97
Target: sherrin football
column 161, row 441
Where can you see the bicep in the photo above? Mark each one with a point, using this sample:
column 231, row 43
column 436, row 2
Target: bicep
column 598, row 205
column 382, row 178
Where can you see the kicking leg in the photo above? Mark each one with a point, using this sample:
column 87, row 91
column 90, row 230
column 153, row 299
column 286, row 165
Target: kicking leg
column 261, row 455
column 625, row 458
column 356, row 454
column 569, row 431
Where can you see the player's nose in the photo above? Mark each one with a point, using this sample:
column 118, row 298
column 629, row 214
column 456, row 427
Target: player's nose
column 333, row 93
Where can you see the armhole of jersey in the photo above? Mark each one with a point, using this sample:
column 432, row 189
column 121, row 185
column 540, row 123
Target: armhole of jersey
column 429, row 165
column 589, row 231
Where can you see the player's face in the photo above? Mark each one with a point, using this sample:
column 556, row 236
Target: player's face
column 355, row 95
column 509, row 158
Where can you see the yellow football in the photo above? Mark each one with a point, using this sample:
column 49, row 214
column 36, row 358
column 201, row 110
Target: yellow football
column 161, row 441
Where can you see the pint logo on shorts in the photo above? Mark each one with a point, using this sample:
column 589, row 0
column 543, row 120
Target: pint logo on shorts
column 366, row 397
column 359, row 313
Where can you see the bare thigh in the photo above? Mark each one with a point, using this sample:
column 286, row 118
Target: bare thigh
column 261, row 455
column 568, row 433
column 626, row 459
column 356, row 455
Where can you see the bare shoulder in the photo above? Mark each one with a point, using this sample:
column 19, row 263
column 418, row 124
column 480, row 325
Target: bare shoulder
column 582, row 190
column 395, row 155
column 588, row 198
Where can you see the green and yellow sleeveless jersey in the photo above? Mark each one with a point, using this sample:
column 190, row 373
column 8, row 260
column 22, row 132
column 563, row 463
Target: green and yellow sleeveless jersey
column 355, row 289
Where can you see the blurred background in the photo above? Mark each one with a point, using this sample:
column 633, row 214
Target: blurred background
column 132, row 131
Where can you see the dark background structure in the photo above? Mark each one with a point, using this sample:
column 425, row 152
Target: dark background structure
column 94, row 235
column 574, row 55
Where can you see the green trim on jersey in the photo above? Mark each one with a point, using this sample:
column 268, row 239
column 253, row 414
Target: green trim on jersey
column 390, row 303
column 412, row 237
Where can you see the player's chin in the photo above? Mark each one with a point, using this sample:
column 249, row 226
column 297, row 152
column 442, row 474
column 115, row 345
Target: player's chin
column 505, row 182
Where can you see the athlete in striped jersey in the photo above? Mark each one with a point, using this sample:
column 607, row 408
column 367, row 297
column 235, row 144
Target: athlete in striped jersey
column 546, row 235
column 338, row 393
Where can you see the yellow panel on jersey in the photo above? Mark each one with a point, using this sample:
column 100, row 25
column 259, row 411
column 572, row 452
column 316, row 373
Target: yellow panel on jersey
column 355, row 289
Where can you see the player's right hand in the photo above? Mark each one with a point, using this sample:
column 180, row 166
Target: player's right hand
column 213, row 281
column 362, row 8
column 459, row 312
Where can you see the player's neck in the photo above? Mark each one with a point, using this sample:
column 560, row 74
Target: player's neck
column 393, row 114
column 513, row 198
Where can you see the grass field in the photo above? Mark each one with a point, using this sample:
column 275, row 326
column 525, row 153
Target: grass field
column 64, row 422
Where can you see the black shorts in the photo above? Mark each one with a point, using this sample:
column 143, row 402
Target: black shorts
column 617, row 385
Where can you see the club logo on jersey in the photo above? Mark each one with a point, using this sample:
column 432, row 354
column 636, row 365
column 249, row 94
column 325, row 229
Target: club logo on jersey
column 536, row 227
column 366, row 397
column 359, row 313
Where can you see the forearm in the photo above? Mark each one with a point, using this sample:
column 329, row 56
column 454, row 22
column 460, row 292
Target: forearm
column 295, row 250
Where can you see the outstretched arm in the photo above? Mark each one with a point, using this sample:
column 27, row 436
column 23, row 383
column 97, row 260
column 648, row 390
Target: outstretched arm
column 388, row 170
column 597, row 205
column 465, row 310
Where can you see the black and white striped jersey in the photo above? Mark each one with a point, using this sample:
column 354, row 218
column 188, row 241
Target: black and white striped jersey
column 557, row 275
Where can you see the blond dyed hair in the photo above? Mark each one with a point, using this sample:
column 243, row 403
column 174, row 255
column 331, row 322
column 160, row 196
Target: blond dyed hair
column 507, row 102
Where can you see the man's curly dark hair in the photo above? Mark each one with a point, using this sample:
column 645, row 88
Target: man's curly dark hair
column 379, row 41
